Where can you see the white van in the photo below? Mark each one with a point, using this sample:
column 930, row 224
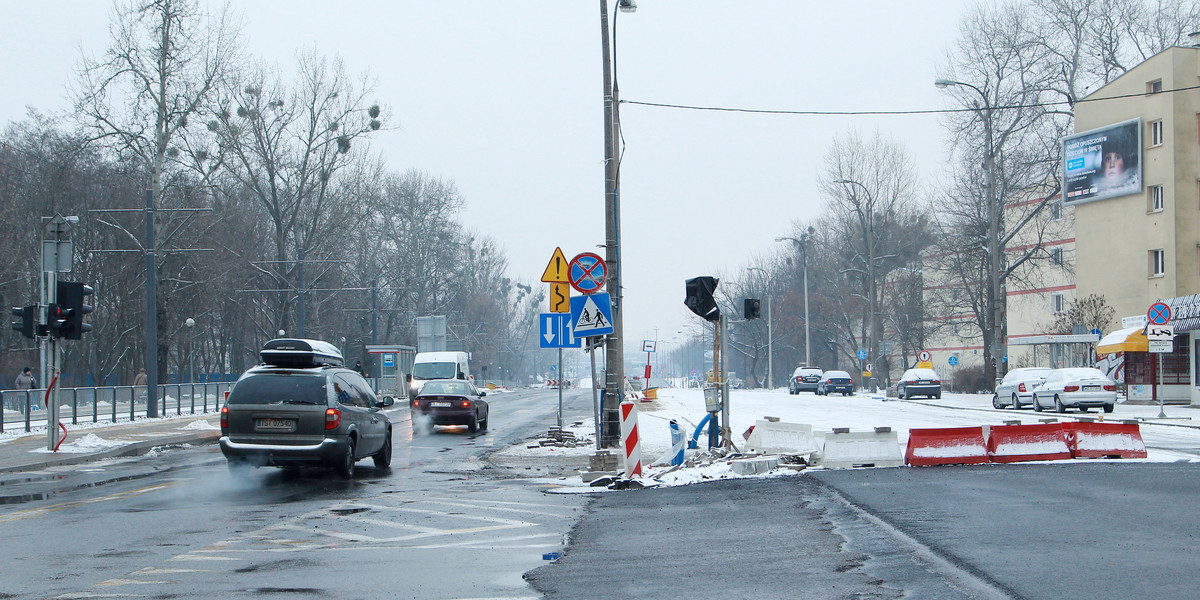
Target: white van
column 437, row 365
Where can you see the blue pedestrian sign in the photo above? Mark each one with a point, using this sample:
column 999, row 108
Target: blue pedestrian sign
column 862, row 355
column 592, row 314
column 556, row 331
column 953, row 361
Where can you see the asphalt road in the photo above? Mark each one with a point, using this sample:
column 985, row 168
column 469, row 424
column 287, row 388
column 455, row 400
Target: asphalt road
column 441, row 523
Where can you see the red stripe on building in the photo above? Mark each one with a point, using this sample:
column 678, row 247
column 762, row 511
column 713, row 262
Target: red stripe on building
column 1058, row 288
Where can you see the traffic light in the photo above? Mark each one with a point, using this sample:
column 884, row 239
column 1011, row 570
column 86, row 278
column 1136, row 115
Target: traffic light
column 752, row 308
column 28, row 315
column 71, row 309
column 700, row 297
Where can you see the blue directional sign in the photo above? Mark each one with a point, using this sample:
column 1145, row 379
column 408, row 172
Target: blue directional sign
column 862, row 355
column 953, row 360
column 592, row 314
column 556, row 331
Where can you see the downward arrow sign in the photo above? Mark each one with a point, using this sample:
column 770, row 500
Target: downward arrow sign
column 549, row 335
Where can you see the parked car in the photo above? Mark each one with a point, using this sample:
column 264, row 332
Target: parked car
column 1076, row 387
column 450, row 402
column 1017, row 386
column 804, row 379
column 301, row 407
column 919, row 382
column 835, row 381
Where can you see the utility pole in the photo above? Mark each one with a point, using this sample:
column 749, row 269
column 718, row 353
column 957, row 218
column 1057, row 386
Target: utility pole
column 614, row 367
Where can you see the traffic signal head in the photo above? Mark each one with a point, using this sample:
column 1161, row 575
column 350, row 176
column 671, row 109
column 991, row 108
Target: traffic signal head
column 69, row 322
column 752, row 308
column 27, row 319
column 700, row 297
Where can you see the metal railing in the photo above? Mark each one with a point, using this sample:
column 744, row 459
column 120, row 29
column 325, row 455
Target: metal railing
column 24, row 408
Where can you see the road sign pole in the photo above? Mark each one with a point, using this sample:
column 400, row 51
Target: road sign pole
column 560, row 386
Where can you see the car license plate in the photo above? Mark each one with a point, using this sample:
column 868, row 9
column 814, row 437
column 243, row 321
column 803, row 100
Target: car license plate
column 440, row 404
column 275, row 424
column 1091, row 388
column 923, row 382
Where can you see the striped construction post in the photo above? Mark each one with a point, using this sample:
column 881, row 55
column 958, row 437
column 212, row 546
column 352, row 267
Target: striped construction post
column 630, row 441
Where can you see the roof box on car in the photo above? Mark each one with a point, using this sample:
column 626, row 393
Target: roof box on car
column 289, row 352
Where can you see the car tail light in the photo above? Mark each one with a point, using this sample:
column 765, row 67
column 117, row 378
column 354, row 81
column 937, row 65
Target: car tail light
column 1021, row 388
column 936, row 382
column 466, row 404
column 333, row 418
column 416, row 404
column 1110, row 388
column 1071, row 388
column 225, row 416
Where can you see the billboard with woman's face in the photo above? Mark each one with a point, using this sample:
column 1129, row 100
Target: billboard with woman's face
column 1103, row 163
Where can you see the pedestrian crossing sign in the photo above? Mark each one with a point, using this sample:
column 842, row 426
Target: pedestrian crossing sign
column 592, row 314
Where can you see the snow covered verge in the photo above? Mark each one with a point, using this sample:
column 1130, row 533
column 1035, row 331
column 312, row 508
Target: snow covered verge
column 1174, row 439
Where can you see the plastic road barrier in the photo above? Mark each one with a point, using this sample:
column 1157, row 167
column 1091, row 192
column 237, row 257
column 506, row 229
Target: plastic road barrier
column 1015, row 443
column 630, row 441
column 1105, row 440
column 781, row 438
column 677, row 443
column 946, row 446
column 880, row 448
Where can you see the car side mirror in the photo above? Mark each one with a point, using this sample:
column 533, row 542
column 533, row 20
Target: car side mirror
column 387, row 401
column 408, row 377
column 482, row 393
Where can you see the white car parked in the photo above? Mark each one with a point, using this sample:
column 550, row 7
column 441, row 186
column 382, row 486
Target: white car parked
column 1076, row 387
column 1016, row 389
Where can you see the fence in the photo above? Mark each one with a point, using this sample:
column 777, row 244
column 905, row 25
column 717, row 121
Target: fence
column 24, row 408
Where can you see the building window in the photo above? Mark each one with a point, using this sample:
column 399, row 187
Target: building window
column 1154, row 87
column 1158, row 263
column 1155, row 192
column 1056, row 255
column 1058, row 303
column 1156, row 133
column 1055, row 210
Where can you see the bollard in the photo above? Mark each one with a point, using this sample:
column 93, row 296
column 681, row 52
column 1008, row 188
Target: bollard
column 629, row 440
column 677, row 444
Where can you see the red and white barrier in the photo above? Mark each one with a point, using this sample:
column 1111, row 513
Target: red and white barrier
column 946, row 446
column 1105, row 440
column 630, row 441
column 1016, row 443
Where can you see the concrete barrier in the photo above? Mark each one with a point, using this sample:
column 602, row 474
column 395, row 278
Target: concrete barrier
column 1105, row 440
column 848, row 449
column 1016, row 443
column 781, row 438
column 946, row 446
column 754, row 466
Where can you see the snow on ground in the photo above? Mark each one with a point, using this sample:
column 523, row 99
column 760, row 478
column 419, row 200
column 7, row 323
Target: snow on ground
column 88, row 443
column 1173, row 439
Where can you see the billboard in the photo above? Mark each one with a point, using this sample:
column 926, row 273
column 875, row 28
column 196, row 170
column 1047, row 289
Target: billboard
column 1103, row 163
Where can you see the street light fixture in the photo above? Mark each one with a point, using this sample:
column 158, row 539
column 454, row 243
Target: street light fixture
column 770, row 354
column 803, row 243
column 994, row 315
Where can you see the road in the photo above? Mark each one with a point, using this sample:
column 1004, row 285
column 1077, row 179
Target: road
column 441, row 523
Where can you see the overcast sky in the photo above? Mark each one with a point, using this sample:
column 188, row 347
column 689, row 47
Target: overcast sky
column 505, row 99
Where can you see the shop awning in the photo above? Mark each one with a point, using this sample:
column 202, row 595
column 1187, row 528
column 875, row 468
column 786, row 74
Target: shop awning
column 1123, row 340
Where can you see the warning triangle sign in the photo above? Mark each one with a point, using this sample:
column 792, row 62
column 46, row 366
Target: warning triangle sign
column 592, row 315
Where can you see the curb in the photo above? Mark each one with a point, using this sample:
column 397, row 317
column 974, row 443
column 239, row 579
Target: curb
column 132, row 449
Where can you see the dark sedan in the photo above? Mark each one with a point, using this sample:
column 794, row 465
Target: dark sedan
column 450, row 402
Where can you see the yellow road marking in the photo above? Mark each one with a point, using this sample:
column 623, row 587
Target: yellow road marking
column 34, row 512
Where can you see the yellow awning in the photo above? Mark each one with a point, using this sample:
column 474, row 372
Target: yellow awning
column 1123, row 340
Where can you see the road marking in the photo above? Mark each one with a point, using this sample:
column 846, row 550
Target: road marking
column 35, row 512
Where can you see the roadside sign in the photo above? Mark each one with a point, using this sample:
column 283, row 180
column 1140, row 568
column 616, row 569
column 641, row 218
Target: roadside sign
column 560, row 297
column 924, row 356
column 862, row 355
column 1160, row 333
column 587, row 272
column 556, row 270
column 870, row 367
column 953, row 360
column 556, row 331
column 1159, row 314
column 389, row 359
column 648, row 345
column 592, row 314
column 1159, row 347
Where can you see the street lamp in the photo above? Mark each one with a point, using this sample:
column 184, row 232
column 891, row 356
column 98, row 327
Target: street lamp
column 190, row 323
column 803, row 243
column 994, row 315
column 614, row 354
column 872, row 286
column 770, row 355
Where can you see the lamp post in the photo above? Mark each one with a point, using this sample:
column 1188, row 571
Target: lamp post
column 190, row 323
column 770, row 354
column 872, row 286
column 803, row 243
column 994, row 316
column 614, row 354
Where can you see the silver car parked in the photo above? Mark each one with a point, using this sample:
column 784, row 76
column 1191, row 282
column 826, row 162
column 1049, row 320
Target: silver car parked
column 1016, row 389
column 1076, row 387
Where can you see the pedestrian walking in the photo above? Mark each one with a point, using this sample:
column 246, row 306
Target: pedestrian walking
column 359, row 368
column 140, row 378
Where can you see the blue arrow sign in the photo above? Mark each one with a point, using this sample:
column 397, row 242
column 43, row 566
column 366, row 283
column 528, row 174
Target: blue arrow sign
column 556, row 331
column 592, row 314
column 862, row 355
